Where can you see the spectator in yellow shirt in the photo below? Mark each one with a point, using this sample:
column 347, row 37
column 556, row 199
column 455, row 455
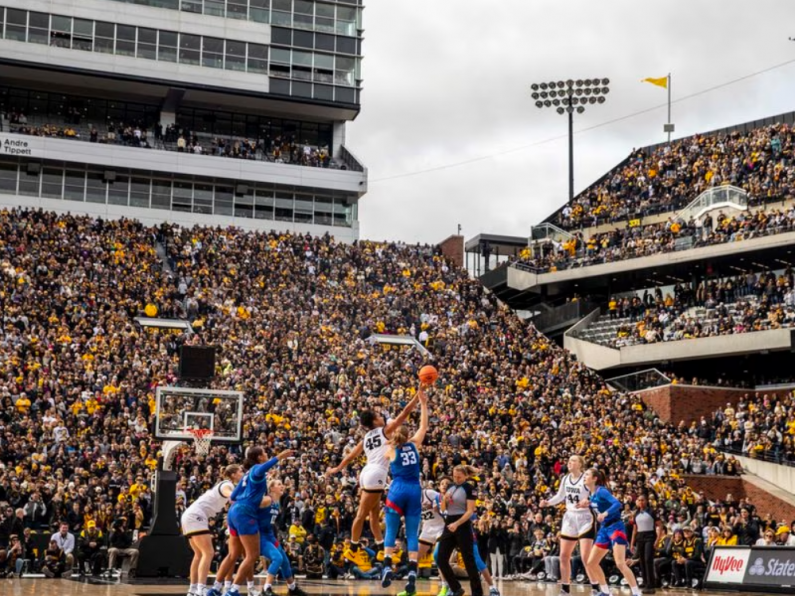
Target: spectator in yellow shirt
column 298, row 531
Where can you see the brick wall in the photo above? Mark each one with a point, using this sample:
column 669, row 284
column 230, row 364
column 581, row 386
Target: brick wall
column 717, row 487
column 676, row 403
column 453, row 249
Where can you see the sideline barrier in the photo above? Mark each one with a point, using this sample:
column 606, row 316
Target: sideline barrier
column 763, row 569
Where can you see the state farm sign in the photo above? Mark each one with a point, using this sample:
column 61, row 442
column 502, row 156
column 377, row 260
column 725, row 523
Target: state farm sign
column 728, row 565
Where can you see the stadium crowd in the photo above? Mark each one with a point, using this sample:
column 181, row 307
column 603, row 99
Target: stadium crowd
column 671, row 176
column 293, row 317
column 725, row 306
column 645, row 241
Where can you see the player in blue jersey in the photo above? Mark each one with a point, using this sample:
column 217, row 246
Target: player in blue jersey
column 404, row 498
column 612, row 533
column 269, row 542
column 243, row 514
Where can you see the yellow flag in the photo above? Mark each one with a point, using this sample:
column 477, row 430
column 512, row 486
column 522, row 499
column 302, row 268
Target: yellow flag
column 661, row 82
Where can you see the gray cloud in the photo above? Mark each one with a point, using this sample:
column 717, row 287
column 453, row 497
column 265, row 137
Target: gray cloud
column 447, row 81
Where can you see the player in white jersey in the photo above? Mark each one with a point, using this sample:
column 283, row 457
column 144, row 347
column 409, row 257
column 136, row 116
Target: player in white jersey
column 196, row 526
column 373, row 476
column 432, row 520
column 578, row 524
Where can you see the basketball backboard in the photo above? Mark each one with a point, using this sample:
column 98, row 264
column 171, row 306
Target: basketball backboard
column 178, row 409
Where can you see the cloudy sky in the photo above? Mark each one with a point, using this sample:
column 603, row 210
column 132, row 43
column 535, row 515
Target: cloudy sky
column 447, row 82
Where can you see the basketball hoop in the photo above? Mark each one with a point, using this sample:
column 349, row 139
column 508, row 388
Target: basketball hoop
column 202, row 438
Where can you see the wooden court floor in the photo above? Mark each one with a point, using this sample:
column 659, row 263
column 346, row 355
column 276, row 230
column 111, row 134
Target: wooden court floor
column 73, row 587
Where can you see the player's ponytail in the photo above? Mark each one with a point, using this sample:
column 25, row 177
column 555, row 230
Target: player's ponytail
column 399, row 436
column 231, row 470
column 252, row 457
column 601, row 479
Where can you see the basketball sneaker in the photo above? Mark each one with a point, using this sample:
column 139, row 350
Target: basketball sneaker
column 443, row 591
column 297, row 591
column 386, row 577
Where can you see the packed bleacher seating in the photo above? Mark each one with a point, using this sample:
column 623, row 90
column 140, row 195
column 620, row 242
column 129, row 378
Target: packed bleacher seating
column 293, row 317
column 760, row 426
column 672, row 235
column 670, row 177
column 739, row 304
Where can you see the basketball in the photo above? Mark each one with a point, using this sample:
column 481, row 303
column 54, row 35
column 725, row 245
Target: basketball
column 428, row 374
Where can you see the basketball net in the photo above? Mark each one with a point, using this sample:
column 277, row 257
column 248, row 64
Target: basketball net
column 202, row 439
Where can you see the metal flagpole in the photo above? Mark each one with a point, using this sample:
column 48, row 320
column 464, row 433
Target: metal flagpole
column 669, row 108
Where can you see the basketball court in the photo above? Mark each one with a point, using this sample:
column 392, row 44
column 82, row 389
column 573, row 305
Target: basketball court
column 61, row 587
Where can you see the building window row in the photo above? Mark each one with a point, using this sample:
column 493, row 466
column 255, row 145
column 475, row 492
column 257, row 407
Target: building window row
column 187, row 195
column 323, row 17
column 171, row 46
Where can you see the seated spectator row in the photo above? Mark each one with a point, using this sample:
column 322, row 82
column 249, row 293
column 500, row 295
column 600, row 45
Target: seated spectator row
column 645, row 241
column 669, row 178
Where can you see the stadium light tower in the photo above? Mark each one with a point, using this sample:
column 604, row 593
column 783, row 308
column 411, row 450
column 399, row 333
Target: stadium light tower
column 568, row 97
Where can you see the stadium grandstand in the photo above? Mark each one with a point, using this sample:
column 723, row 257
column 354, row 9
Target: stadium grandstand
column 174, row 181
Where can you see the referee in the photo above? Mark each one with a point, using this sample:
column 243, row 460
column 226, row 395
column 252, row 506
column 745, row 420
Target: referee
column 457, row 507
column 644, row 538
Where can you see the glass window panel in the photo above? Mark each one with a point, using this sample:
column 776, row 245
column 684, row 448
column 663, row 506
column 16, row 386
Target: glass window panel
column 235, row 48
column 235, row 55
column 324, row 42
column 259, row 3
column 301, row 89
column 125, row 32
column 18, row 17
column 52, row 183
column 346, row 45
column 125, row 48
column 303, row 7
column 84, row 27
column 167, row 54
column 161, row 194
column 342, row 213
column 285, row 19
column 237, row 9
column 96, row 187
column 147, row 35
column 324, row 10
column 224, row 200
column 281, row 36
column 39, row 20
column 213, row 44
column 285, row 5
column 168, row 38
column 302, row 58
column 41, row 36
column 16, row 32
column 105, row 29
column 183, row 196
column 119, row 190
column 303, row 21
column 284, row 207
column 189, row 42
column 344, row 94
column 324, row 61
column 303, row 209
column 280, row 55
column 324, row 92
column 215, row 7
column 148, row 51
column 192, row 6
column 29, row 184
column 75, row 185
column 302, row 39
column 257, row 51
column 8, row 176
column 139, row 192
column 324, row 208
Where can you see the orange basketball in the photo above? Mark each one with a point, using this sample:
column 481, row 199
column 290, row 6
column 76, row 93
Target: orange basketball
column 428, row 374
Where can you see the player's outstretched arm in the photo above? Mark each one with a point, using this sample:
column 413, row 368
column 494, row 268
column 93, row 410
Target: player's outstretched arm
column 352, row 455
column 419, row 436
column 403, row 416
